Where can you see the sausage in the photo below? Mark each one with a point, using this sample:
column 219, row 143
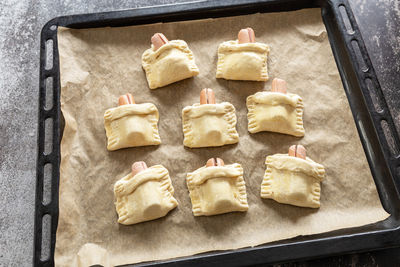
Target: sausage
column 138, row 166
column 207, row 96
column 215, row 162
column 246, row 36
column 126, row 99
column 297, row 151
column 158, row 40
column 278, row 85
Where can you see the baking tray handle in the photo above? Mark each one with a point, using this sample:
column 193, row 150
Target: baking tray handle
column 48, row 158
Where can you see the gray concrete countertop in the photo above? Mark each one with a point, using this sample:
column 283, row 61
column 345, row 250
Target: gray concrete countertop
column 20, row 25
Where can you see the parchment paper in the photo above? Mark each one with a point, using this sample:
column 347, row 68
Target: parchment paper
column 98, row 65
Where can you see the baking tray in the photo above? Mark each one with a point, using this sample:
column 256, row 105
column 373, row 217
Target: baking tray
column 371, row 114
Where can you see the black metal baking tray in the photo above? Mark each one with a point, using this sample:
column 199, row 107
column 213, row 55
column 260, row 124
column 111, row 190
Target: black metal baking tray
column 371, row 114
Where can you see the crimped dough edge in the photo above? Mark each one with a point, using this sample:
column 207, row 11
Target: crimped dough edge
column 149, row 57
column 262, row 98
column 129, row 183
column 309, row 167
column 229, row 116
column 129, row 110
column 233, row 46
column 235, row 171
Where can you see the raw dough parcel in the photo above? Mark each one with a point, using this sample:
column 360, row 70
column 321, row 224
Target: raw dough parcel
column 275, row 112
column 209, row 125
column 131, row 125
column 172, row 62
column 292, row 180
column 218, row 189
column 146, row 196
column 246, row 61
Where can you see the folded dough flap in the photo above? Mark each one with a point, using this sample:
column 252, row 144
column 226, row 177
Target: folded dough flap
column 172, row 62
column 130, row 109
column 266, row 109
column 246, row 61
column 128, row 184
column 203, row 174
column 197, row 118
column 294, row 164
column 198, row 110
column 219, row 195
column 274, row 98
column 233, row 46
column 150, row 55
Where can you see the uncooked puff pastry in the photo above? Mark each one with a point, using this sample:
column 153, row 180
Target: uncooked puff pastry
column 292, row 180
column 132, row 125
column 172, row 62
column 209, row 125
column 146, row 196
column 275, row 112
column 247, row 61
column 218, row 189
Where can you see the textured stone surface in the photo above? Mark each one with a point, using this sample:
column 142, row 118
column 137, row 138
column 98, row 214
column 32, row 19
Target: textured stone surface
column 379, row 23
column 20, row 25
